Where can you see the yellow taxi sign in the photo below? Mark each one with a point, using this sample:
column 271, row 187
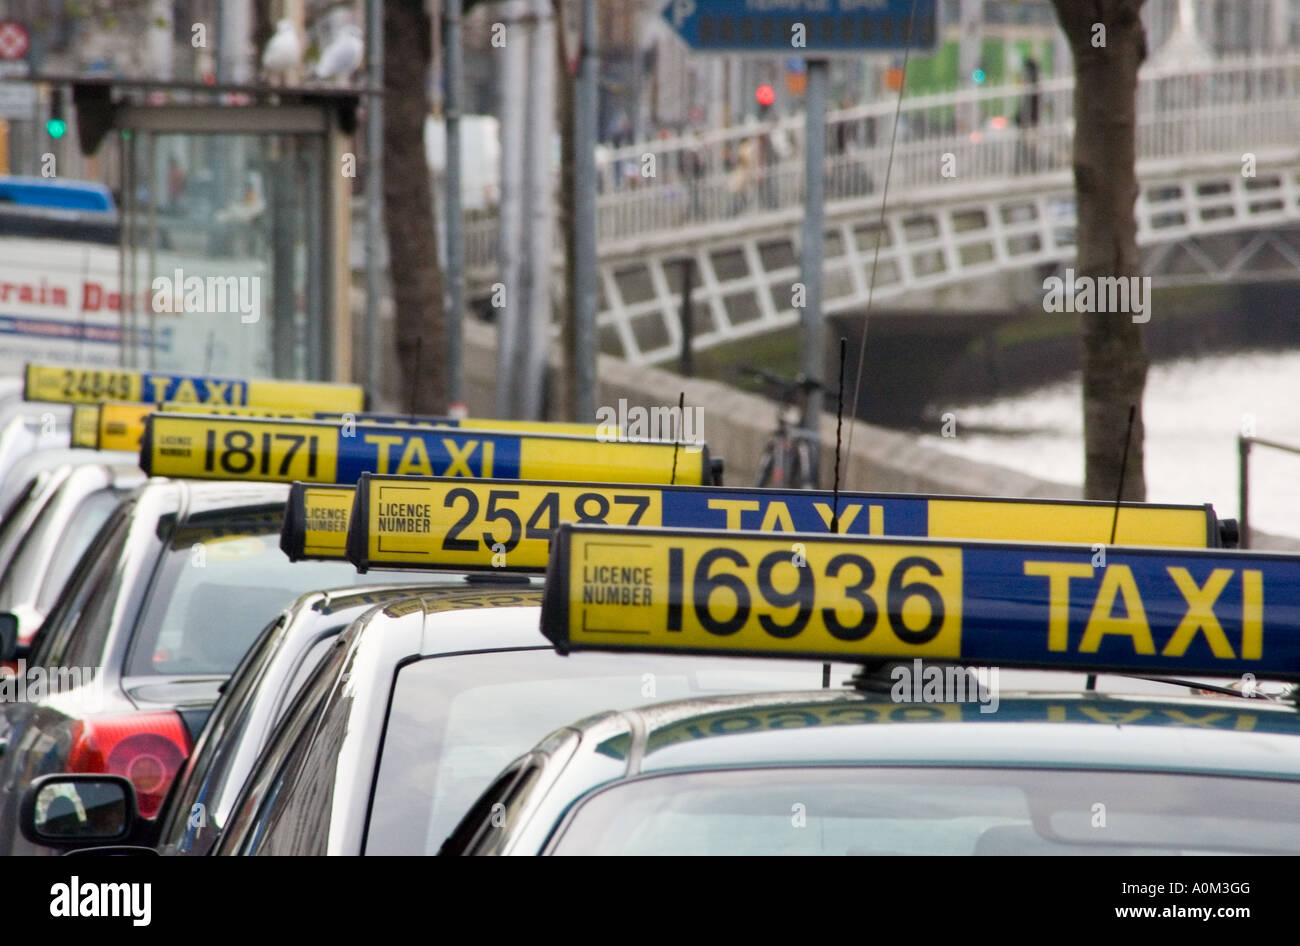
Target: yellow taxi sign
column 121, row 425
column 208, row 447
column 71, row 384
column 316, row 521
column 84, row 430
column 1141, row 610
column 419, row 522
column 422, row 522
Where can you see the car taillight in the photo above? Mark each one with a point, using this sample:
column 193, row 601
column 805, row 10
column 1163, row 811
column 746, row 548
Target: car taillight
column 146, row 748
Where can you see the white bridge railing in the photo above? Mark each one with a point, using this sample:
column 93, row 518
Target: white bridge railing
column 652, row 192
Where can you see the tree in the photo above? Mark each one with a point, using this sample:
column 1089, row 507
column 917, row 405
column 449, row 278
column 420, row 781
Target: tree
column 408, row 209
column 1108, row 43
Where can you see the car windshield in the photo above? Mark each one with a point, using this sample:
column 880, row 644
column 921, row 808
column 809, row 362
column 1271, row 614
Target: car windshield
column 456, row 721
column 222, row 578
column 881, row 811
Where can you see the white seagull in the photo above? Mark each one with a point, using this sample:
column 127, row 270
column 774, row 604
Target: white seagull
column 283, row 52
column 342, row 56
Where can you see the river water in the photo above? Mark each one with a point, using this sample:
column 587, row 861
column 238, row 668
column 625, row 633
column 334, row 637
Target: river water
column 1194, row 409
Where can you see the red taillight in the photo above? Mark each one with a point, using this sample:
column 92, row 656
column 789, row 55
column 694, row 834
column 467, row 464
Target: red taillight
column 146, row 748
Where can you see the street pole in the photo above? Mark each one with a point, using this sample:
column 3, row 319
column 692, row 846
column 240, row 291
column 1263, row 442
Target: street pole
column 374, row 193
column 541, row 225
column 810, row 263
column 513, row 77
column 583, row 356
column 454, row 64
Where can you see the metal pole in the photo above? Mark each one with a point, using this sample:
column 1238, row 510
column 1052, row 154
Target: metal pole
column 541, row 224
column 688, row 323
column 1243, row 490
column 583, row 357
column 810, row 264
column 374, row 194
column 453, row 62
column 512, row 77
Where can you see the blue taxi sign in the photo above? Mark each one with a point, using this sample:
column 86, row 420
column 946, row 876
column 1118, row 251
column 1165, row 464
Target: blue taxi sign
column 829, row 27
column 284, row 450
column 875, row 600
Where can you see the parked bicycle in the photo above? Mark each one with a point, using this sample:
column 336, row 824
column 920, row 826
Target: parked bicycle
column 789, row 458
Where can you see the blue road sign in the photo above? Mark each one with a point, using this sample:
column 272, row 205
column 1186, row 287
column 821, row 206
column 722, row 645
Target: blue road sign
column 809, row 28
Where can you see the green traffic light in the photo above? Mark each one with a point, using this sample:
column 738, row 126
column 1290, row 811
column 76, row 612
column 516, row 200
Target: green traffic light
column 978, row 76
column 56, row 127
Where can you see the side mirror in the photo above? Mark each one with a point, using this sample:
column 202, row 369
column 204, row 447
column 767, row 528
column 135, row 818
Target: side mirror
column 8, row 635
column 77, row 810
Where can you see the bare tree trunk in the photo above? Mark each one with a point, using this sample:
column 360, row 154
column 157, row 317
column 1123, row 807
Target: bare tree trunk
column 565, row 395
column 408, row 209
column 1106, row 187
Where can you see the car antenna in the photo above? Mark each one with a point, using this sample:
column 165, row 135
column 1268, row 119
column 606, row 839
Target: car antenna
column 839, row 427
column 1119, row 495
column 677, row 440
column 835, row 501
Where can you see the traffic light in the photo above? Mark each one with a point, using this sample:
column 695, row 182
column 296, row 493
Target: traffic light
column 978, row 76
column 56, row 126
column 765, row 94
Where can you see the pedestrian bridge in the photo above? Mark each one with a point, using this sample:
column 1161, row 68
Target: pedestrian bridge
column 972, row 195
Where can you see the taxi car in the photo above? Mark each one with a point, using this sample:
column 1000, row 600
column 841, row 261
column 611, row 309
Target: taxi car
column 923, row 752
column 155, row 616
column 415, row 708
column 256, row 697
column 77, row 503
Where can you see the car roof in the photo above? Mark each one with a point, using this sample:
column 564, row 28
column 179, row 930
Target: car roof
column 470, row 612
column 1093, row 730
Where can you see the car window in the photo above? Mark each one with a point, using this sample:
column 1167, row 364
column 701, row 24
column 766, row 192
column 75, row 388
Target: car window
column 455, row 721
column 935, row 811
column 86, row 521
column 269, row 775
column 203, row 777
column 87, row 584
column 223, row 576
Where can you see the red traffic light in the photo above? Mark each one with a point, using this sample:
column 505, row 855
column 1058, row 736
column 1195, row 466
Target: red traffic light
column 765, row 94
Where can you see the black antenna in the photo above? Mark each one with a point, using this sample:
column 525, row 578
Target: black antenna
column 835, row 502
column 1091, row 683
column 1123, row 468
column 880, row 229
column 677, row 440
column 839, row 427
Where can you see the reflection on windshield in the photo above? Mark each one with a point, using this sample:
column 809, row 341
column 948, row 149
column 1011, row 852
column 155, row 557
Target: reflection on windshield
column 879, row 811
column 457, row 721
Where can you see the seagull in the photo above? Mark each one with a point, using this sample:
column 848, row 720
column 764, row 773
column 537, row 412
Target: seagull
column 283, row 52
column 342, row 56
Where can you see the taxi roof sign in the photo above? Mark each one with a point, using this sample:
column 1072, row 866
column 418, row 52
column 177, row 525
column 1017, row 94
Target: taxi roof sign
column 72, row 384
column 432, row 522
column 879, row 600
column 316, row 521
column 119, row 425
column 279, row 450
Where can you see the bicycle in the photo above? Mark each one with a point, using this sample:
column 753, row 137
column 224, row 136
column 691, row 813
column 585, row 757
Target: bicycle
column 789, row 458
